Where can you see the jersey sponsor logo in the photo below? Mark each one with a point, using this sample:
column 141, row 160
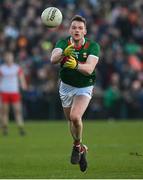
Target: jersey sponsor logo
column 84, row 55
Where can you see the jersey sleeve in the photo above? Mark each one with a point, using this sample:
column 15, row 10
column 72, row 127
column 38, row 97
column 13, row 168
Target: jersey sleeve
column 61, row 44
column 94, row 49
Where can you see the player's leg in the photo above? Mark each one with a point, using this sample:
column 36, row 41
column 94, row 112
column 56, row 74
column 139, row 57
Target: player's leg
column 66, row 94
column 75, row 157
column 67, row 115
column 4, row 117
column 78, row 108
column 17, row 108
column 4, row 112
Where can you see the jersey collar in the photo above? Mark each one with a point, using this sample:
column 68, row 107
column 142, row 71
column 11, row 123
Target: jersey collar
column 77, row 48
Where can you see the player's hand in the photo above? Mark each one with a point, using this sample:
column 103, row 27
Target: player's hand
column 69, row 51
column 71, row 63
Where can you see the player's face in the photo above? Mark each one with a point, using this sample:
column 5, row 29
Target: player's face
column 9, row 58
column 77, row 30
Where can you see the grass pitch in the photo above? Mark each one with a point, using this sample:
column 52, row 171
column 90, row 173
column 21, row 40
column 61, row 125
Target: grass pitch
column 115, row 151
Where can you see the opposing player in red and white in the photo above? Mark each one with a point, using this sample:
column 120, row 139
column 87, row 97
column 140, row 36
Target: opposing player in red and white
column 11, row 77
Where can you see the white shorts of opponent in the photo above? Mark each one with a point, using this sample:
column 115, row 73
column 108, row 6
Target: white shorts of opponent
column 68, row 92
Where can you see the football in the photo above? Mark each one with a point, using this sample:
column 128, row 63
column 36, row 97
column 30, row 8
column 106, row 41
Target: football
column 51, row 17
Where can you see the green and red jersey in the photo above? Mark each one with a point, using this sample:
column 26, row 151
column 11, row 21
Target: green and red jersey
column 72, row 76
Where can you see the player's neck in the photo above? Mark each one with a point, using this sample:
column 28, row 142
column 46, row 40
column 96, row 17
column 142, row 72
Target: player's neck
column 78, row 43
column 9, row 64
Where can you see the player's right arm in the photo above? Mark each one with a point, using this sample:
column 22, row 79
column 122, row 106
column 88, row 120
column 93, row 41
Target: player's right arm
column 62, row 50
column 57, row 55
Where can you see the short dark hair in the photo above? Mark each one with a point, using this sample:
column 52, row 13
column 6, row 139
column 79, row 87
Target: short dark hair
column 79, row 18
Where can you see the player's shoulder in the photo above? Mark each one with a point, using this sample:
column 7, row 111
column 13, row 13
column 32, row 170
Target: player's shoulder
column 63, row 40
column 62, row 43
column 93, row 47
column 93, row 43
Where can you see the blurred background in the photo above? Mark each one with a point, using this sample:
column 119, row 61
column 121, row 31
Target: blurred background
column 117, row 25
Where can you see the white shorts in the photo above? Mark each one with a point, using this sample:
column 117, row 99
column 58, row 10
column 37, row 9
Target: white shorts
column 68, row 92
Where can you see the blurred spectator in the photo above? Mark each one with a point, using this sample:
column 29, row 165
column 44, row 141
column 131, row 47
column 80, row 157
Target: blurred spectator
column 134, row 100
column 112, row 98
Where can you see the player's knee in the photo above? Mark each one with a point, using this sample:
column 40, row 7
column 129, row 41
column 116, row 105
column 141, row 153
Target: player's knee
column 75, row 118
column 17, row 111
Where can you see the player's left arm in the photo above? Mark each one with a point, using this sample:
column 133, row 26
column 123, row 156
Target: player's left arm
column 22, row 79
column 88, row 67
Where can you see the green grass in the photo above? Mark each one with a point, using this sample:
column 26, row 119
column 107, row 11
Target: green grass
column 45, row 151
